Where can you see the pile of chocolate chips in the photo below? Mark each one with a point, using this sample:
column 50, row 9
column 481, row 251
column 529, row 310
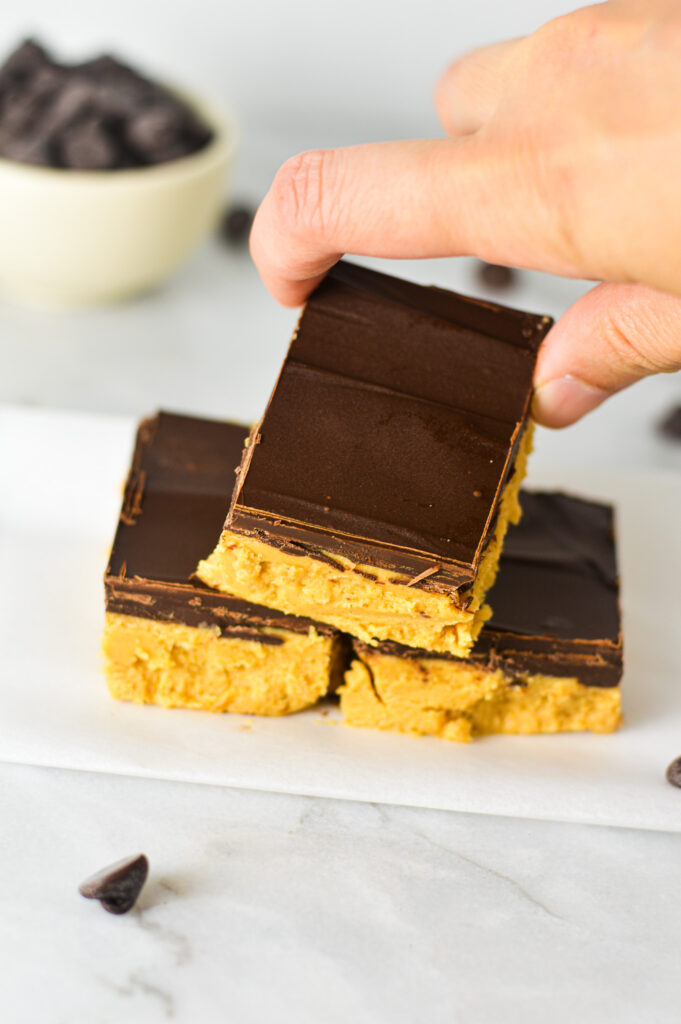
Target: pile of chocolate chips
column 99, row 115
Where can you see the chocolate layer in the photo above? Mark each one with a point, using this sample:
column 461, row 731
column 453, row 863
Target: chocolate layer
column 556, row 609
column 392, row 428
column 173, row 510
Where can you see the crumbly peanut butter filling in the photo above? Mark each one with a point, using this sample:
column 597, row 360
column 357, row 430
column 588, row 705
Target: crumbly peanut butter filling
column 460, row 702
column 153, row 662
column 380, row 608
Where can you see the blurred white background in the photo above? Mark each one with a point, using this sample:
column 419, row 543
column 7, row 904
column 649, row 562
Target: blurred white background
column 297, row 75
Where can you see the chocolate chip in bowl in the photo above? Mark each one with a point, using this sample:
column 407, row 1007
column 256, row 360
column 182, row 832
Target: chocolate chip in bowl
column 108, row 179
column 98, row 115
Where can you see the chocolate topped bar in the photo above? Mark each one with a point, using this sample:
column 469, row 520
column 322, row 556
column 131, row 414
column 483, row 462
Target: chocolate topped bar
column 174, row 506
column 555, row 601
column 392, row 429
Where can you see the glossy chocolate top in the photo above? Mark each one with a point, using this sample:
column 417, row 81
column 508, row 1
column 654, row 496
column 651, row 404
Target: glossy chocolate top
column 174, row 506
column 558, row 571
column 555, row 601
column 392, row 427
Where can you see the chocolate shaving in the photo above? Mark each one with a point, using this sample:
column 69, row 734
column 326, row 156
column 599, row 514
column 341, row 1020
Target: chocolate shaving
column 424, row 575
column 134, row 491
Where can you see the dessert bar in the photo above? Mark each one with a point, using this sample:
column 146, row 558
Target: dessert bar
column 550, row 659
column 170, row 640
column 375, row 493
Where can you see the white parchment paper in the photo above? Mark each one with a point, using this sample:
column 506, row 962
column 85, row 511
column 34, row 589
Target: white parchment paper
column 59, row 496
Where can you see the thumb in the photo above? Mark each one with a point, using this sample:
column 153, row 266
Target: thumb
column 614, row 335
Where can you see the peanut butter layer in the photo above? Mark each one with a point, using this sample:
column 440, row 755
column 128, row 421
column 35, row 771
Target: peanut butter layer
column 549, row 660
column 457, row 701
column 368, row 601
column 179, row 666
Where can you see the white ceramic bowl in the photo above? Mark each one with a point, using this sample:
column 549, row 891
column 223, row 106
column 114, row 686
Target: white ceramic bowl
column 74, row 238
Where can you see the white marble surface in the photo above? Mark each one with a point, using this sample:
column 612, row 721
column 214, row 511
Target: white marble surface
column 278, row 908
column 267, row 908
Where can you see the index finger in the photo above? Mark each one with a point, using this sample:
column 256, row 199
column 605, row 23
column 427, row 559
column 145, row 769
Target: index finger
column 404, row 200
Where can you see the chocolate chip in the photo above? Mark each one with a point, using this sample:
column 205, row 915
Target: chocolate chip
column 97, row 115
column 109, row 68
column 86, row 146
column 156, row 132
column 117, row 886
column 27, row 150
column 236, row 224
column 492, row 275
column 670, row 425
column 28, row 58
column 24, row 104
column 674, row 773
column 69, row 103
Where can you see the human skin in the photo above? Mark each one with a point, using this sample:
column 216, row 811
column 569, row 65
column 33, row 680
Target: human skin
column 563, row 154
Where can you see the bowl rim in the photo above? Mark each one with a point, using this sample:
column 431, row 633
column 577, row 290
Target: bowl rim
column 218, row 151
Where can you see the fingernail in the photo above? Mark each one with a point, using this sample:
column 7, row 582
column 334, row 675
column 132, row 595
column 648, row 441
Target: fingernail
column 563, row 401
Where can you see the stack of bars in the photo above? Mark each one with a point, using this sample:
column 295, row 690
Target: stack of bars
column 366, row 526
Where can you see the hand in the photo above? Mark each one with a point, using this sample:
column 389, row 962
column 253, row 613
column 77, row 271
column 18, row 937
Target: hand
column 564, row 155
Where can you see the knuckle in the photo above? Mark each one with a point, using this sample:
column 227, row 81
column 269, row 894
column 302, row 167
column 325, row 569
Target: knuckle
column 467, row 74
column 299, row 192
column 562, row 202
column 629, row 344
column 442, row 88
column 550, row 177
column 452, row 76
column 571, row 41
column 583, row 24
column 666, row 34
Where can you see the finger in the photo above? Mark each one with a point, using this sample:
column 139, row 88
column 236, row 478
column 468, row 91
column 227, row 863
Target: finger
column 404, row 200
column 468, row 93
column 614, row 335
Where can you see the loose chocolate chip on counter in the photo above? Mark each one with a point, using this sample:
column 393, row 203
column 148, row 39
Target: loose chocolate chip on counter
column 670, row 425
column 674, row 773
column 117, row 886
column 236, row 224
column 491, row 275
